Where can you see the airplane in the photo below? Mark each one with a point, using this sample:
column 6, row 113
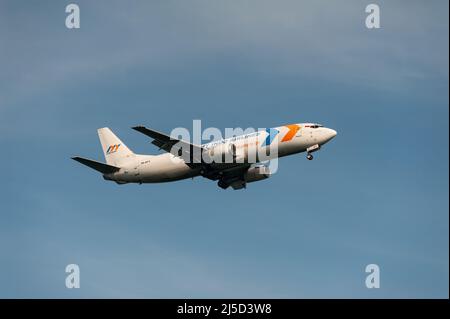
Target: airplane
column 184, row 160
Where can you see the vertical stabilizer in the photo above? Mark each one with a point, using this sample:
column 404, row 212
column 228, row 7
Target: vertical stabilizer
column 115, row 151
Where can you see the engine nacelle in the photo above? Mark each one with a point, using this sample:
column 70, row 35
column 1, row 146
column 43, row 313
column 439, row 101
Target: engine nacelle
column 257, row 173
column 222, row 153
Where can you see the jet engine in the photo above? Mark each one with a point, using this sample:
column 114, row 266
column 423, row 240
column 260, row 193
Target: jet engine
column 257, row 173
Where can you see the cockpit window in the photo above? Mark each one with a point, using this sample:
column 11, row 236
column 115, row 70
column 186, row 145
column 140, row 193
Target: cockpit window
column 314, row 125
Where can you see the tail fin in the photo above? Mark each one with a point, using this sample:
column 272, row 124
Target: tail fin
column 116, row 152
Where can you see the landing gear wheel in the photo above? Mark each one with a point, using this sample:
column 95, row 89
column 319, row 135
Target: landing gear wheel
column 309, row 157
column 222, row 184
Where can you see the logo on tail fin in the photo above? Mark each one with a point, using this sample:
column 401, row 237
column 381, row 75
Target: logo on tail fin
column 112, row 149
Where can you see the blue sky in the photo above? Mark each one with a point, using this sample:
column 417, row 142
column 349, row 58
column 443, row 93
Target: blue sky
column 378, row 193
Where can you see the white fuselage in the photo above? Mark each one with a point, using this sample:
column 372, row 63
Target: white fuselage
column 287, row 140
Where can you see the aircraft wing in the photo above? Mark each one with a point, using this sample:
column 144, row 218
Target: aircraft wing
column 167, row 143
column 229, row 172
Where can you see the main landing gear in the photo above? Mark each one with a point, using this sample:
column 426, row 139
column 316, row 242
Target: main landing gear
column 310, row 157
column 222, row 184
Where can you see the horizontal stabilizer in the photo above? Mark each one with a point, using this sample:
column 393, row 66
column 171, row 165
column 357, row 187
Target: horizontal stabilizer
column 100, row 167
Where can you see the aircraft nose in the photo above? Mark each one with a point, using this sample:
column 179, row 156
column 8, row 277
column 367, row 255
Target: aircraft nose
column 330, row 134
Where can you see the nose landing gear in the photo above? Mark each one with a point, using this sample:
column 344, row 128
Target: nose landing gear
column 311, row 149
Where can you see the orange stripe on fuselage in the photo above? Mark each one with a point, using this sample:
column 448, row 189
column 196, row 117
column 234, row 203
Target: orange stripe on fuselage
column 293, row 129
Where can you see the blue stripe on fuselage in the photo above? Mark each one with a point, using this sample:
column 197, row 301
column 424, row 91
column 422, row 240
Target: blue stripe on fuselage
column 271, row 133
